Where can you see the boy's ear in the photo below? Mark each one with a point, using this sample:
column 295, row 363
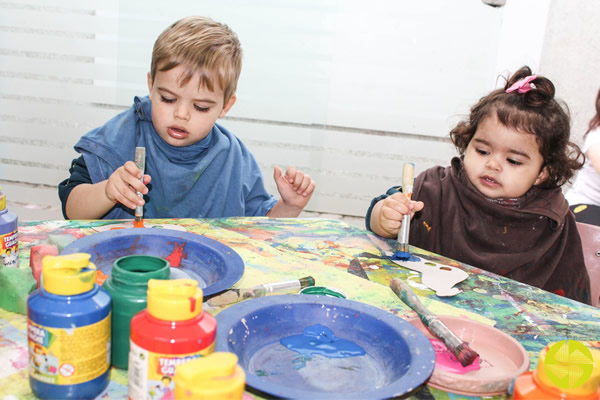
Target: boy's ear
column 542, row 176
column 149, row 82
column 227, row 106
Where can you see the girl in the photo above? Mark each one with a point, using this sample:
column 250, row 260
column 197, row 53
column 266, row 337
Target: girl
column 584, row 195
column 499, row 206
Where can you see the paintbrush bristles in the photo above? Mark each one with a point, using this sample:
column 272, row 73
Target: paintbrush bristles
column 307, row 281
column 461, row 350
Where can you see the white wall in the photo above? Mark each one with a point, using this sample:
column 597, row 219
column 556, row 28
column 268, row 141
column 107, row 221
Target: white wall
column 571, row 57
column 347, row 90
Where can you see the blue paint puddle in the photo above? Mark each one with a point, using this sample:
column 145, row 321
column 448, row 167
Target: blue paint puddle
column 319, row 339
column 404, row 256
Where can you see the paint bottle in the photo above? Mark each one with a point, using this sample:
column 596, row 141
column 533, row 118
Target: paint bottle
column 9, row 242
column 68, row 330
column 541, row 384
column 128, row 286
column 171, row 331
column 214, row 377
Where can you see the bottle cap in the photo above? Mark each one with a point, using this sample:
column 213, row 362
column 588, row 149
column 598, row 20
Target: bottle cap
column 214, row 377
column 68, row 275
column 570, row 364
column 174, row 300
column 2, row 200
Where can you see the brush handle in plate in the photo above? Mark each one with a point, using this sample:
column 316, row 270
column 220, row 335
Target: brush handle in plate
column 430, row 320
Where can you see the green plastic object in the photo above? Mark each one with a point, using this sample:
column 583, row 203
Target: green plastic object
column 323, row 291
column 15, row 283
column 128, row 286
column 15, row 286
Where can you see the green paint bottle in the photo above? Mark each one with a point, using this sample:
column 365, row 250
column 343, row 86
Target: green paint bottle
column 128, row 287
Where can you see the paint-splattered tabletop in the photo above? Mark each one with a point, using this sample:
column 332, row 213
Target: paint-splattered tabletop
column 282, row 249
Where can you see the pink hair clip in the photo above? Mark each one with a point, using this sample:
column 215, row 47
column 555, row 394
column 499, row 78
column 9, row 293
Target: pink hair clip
column 522, row 85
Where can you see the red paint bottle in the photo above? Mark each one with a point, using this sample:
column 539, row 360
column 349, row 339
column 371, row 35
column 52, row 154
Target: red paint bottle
column 171, row 331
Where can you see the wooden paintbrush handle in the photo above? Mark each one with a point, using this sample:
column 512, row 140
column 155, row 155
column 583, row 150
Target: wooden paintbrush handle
column 408, row 178
column 409, row 298
column 430, row 320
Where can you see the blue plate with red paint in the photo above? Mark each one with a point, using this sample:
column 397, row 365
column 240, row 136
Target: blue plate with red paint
column 320, row 347
column 214, row 265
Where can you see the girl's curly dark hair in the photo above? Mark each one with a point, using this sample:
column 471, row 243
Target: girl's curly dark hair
column 536, row 112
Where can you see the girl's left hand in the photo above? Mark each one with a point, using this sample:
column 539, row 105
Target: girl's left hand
column 295, row 187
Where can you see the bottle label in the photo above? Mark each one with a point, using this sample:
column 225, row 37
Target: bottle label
column 9, row 245
column 68, row 356
column 151, row 375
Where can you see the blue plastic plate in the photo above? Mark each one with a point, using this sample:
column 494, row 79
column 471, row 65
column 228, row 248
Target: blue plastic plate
column 398, row 357
column 214, row 265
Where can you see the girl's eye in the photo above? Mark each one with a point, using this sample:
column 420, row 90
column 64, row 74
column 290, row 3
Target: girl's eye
column 481, row 151
column 514, row 162
column 163, row 98
column 201, row 109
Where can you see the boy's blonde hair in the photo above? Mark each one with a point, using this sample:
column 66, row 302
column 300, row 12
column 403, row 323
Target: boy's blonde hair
column 206, row 47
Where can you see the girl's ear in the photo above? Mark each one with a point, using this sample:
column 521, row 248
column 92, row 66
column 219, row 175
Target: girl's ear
column 227, row 106
column 542, row 176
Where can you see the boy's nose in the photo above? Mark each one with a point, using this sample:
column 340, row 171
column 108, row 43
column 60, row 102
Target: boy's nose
column 181, row 112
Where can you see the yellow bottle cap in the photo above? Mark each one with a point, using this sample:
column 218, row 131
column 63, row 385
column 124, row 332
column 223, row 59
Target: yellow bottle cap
column 2, row 200
column 68, row 275
column 174, row 300
column 570, row 365
column 214, row 377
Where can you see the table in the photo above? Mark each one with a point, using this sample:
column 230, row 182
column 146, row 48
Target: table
column 275, row 249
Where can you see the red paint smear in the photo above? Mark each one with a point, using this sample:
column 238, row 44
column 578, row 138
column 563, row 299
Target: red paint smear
column 100, row 277
column 192, row 304
column 138, row 224
column 176, row 255
column 560, row 292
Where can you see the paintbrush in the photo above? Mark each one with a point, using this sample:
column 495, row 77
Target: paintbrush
column 408, row 179
column 140, row 162
column 236, row 295
column 460, row 349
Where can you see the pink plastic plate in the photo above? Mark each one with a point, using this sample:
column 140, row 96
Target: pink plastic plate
column 502, row 358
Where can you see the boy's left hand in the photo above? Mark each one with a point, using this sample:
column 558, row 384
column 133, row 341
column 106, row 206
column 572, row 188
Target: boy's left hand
column 295, row 187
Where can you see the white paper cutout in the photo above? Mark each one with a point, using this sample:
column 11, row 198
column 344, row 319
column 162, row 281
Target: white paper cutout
column 439, row 277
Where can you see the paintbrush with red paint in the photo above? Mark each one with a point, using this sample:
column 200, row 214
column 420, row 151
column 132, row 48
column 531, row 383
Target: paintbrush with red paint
column 461, row 350
column 140, row 162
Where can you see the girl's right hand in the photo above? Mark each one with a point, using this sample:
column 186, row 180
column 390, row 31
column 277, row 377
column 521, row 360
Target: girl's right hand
column 122, row 186
column 392, row 211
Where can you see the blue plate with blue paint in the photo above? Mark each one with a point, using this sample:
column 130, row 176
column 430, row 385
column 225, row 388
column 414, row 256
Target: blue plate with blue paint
column 320, row 347
column 214, row 265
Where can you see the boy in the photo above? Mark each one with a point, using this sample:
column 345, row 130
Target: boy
column 195, row 168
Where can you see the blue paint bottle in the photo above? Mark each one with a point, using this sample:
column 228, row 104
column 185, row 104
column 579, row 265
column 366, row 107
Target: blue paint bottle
column 8, row 235
column 68, row 330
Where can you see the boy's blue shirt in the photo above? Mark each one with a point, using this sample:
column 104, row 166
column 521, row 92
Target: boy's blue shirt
column 216, row 177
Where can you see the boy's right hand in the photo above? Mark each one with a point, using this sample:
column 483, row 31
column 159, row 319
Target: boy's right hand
column 388, row 213
column 122, row 186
